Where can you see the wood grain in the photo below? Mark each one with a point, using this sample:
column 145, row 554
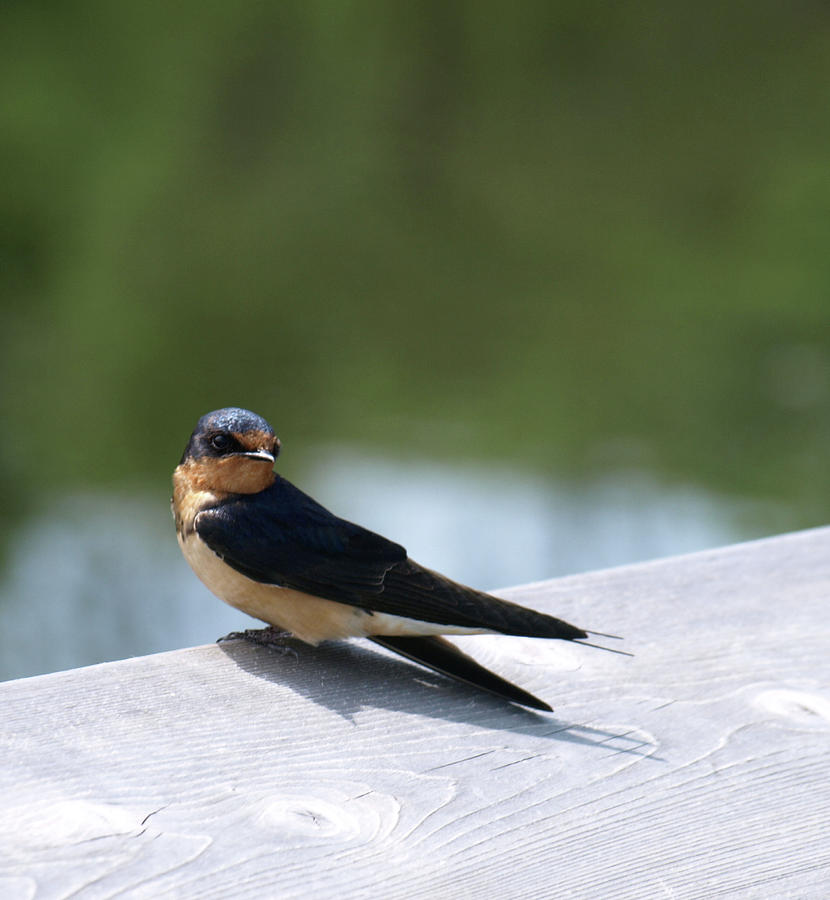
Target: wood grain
column 697, row 769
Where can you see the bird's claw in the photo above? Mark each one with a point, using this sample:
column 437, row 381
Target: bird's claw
column 262, row 637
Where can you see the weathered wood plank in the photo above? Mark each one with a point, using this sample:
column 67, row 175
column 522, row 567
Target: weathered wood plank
column 696, row 769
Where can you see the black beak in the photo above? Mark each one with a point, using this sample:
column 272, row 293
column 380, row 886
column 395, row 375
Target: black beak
column 263, row 455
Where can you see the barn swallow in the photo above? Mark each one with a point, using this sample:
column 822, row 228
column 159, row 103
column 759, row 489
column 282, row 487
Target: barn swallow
column 263, row 546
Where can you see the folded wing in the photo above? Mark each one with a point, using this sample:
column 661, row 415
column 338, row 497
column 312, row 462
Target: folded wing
column 282, row 536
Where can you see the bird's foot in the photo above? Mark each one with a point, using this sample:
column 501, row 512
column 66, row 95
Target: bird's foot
column 262, row 637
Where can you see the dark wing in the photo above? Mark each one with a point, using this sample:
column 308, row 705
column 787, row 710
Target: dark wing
column 411, row 590
column 282, row 536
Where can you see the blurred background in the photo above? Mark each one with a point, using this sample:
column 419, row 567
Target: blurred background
column 531, row 288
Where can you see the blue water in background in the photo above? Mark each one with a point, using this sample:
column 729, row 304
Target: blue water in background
column 99, row 577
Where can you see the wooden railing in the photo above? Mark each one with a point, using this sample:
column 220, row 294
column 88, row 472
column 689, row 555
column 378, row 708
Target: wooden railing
column 699, row 768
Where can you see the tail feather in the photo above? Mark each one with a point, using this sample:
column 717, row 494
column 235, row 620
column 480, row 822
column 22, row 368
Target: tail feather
column 440, row 655
column 413, row 591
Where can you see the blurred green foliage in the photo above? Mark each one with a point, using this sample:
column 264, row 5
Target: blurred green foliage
column 575, row 236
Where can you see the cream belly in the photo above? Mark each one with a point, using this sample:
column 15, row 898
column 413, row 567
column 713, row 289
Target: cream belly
column 311, row 619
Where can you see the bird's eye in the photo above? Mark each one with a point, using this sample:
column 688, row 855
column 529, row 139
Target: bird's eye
column 220, row 442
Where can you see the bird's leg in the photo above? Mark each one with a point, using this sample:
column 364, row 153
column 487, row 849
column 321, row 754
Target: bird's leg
column 262, row 637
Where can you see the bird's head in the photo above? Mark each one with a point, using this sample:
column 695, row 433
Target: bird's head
column 231, row 450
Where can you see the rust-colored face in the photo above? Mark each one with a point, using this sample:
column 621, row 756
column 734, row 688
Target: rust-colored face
column 231, row 451
column 226, row 475
column 258, row 441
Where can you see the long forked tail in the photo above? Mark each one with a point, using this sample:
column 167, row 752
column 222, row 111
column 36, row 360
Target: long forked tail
column 442, row 656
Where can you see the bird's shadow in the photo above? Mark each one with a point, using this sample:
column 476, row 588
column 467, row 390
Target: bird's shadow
column 347, row 677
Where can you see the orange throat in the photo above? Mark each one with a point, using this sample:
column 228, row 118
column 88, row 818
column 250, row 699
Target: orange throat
column 198, row 484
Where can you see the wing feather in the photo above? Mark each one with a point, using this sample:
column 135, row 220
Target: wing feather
column 282, row 536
